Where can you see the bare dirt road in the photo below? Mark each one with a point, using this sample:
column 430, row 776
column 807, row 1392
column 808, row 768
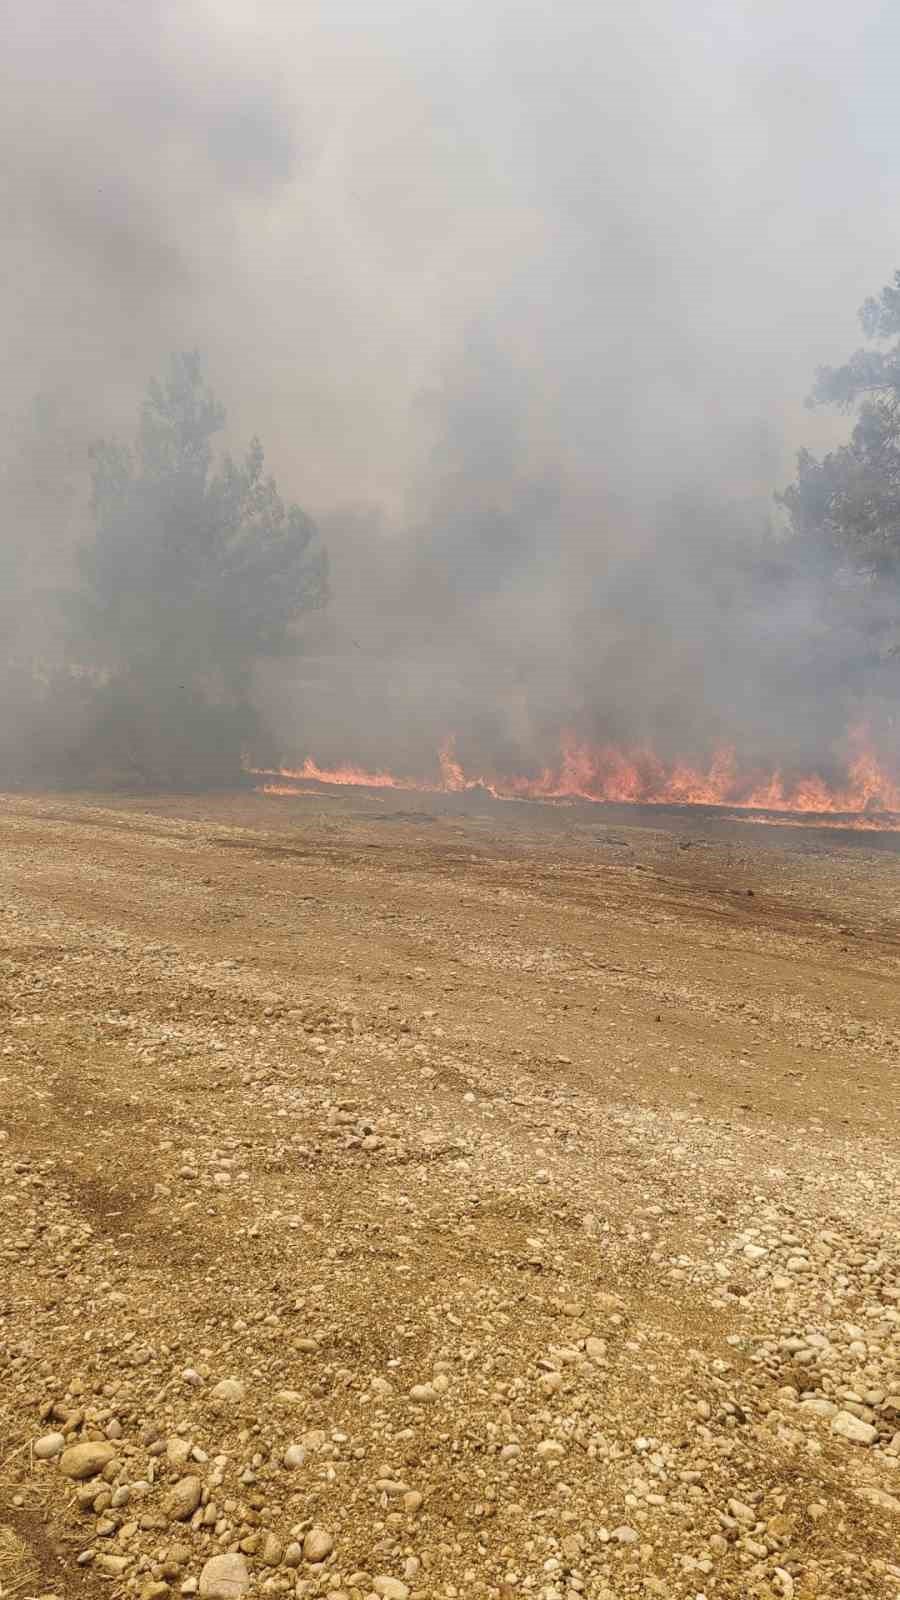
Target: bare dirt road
column 445, row 1203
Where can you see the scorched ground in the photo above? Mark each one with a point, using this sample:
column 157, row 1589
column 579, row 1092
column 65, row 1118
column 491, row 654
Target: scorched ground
column 445, row 1203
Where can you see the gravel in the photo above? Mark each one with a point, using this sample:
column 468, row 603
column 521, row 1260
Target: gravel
column 594, row 1331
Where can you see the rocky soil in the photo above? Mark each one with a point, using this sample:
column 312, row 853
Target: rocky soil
column 438, row 1204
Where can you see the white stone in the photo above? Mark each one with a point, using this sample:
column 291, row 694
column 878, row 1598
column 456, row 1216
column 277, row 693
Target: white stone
column 229, row 1389
column 390, row 1588
column 847, row 1426
column 52, row 1444
column 225, row 1578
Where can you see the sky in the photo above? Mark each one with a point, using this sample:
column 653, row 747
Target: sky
column 564, row 264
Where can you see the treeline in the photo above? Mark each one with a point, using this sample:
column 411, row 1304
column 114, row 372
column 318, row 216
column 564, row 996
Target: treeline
column 142, row 583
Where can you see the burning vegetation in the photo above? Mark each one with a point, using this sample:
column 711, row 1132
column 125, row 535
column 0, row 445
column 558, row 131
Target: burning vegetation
column 187, row 571
column 866, row 796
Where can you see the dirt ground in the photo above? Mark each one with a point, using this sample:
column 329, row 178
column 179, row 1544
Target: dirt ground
column 412, row 1199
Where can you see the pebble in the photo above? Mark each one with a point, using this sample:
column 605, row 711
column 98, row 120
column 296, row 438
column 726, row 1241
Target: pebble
column 224, row 1578
column 390, row 1588
column 294, row 1456
column 879, row 1498
column 86, row 1460
column 183, row 1499
column 741, row 1512
column 847, row 1426
column 115, row 1565
column 52, row 1444
column 177, row 1450
column 229, row 1390
column 272, row 1551
column 317, row 1546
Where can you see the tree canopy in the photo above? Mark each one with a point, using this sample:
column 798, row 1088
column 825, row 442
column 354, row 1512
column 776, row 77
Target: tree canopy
column 849, row 502
column 196, row 569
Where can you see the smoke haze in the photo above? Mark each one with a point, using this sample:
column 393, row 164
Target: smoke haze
column 524, row 301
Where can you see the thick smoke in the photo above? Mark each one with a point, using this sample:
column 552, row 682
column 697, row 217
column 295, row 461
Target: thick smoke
column 524, row 301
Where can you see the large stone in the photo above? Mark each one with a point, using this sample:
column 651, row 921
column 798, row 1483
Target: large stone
column 86, row 1460
column 224, row 1578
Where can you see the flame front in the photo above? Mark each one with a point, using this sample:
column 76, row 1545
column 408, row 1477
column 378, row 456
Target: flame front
column 612, row 774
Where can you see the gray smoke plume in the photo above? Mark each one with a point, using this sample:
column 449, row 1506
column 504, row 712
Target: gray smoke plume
column 524, row 301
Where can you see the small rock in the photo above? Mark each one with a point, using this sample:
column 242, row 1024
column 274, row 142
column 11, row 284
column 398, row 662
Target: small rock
column 390, row 1588
column 52, row 1444
column 224, row 1578
column 293, row 1555
column 294, row 1456
column 422, row 1393
column 317, row 1546
column 288, row 1397
column 183, row 1499
column 847, row 1426
column 86, row 1460
column 229, row 1390
column 820, row 1407
column 741, row 1512
column 879, row 1498
column 625, row 1535
column 272, row 1551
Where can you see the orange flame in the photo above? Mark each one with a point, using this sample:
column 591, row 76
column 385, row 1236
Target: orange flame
column 612, row 774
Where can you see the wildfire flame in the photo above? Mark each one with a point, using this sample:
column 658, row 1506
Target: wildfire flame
column 865, row 798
